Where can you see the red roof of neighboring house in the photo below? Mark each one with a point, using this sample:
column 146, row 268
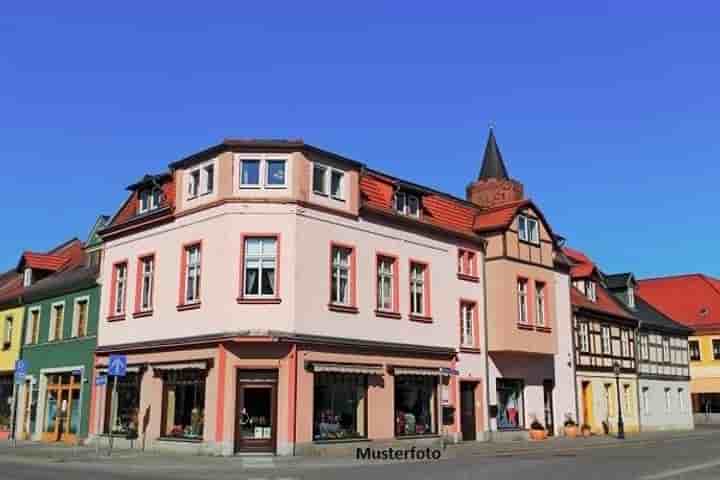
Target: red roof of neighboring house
column 499, row 217
column 43, row 261
column 582, row 265
column 605, row 302
column 693, row 299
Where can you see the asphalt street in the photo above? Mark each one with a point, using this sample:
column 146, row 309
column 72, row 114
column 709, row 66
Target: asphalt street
column 694, row 456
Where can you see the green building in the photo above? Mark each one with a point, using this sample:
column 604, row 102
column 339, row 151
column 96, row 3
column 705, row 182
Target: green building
column 59, row 339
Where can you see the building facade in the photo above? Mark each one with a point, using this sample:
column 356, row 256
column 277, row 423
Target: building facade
column 663, row 365
column 605, row 338
column 694, row 301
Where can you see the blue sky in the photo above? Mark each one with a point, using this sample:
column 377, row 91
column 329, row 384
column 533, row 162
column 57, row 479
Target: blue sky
column 606, row 111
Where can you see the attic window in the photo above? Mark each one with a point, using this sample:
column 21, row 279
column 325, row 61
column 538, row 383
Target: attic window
column 528, row 230
column 631, row 297
column 590, row 290
column 149, row 199
column 407, row 204
column 27, row 277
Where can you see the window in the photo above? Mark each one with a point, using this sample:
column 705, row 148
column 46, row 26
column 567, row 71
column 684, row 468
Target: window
column 584, row 337
column 631, row 297
column 56, row 322
column 666, row 349
column 209, row 172
column 468, row 322
column 605, row 334
column 27, row 277
column 522, row 301
column 146, row 265
column 328, row 181
column 201, row 181
column 510, row 413
column 681, row 399
column 119, row 288
column 644, row 354
column 668, row 401
column 528, row 229
column 627, row 400
column 80, row 323
column 320, row 179
column 194, row 184
column 539, row 304
column 127, row 406
column 407, row 204
column 94, row 258
column 336, row 184
column 249, row 172
column 260, row 267
column 275, row 173
column 7, row 332
column 386, row 278
column 33, row 328
column 625, row 342
column 340, row 406
column 415, row 407
column 609, row 404
column 418, row 295
column 149, row 199
column 694, row 347
column 183, row 404
column 646, row 400
column 467, row 263
column 341, row 275
column 590, row 290
column 192, row 274
column 716, row 348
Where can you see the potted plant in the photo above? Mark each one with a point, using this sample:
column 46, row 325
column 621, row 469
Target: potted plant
column 570, row 427
column 585, row 430
column 537, row 431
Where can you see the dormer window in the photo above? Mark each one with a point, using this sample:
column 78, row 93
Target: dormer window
column 27, row 277
column 149, row 199
column 407, row 204
column 528, row 229
column 201, row 181
column 590, row 290
column 631, row 297
column 328, row 181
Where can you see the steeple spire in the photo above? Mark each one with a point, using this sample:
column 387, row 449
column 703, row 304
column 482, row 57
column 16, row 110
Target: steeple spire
column 493, row 165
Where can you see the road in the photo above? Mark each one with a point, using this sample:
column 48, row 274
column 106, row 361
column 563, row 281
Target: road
column 672, row 458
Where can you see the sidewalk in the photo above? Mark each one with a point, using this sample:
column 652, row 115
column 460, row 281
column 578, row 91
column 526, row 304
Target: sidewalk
column 34, row 452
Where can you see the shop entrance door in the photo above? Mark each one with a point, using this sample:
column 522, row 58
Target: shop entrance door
column 548, row 387
column 62, row 408
column 587, row 403
column 467, row 411
column 256, row 417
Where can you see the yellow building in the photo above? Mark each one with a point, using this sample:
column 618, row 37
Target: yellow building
column 11, row 323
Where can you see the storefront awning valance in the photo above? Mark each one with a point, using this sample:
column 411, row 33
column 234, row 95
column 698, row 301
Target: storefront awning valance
column 171, row 367
column 421, row 371
column 347, row 368
column 129, row 369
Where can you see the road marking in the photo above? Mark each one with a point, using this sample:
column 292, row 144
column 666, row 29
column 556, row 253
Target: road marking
column 680, row 471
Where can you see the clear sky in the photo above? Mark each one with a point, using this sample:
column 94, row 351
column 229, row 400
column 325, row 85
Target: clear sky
column 606, row 111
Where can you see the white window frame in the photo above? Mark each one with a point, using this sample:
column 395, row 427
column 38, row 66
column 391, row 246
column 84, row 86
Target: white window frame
column 699, row 356
column 467, row 325
column 153, row 197
column 76, row 310
column 192, row 274
column 418, row 288
column 119, row 307
column 591, row 290
column 627, row 399
column 605, row 340
column 668, row 400
column 148, row 276
column 202, row 188
column 528, row 229
column 54, row 319
column 584, row 336
column 341, row 270
column 263, row 171
column 666, row 349
column 33, row 325
column 27, row 277
column 327, row 175
column 540, row 305
column 401, row 204
column 631, row 297
column 522, row 299
column 644, row 350
column 8, row 327
column 240, row 162
column 386, row 276
column 624, row 342
column 262, row 258
column 681, row 399
column 645, row 395
column 274, row 158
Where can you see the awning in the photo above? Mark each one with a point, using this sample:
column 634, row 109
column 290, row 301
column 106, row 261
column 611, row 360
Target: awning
column 434, row 372
column 347, row 368
column 170, row 367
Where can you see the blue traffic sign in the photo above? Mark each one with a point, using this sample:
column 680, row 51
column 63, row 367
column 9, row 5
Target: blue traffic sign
column 117, row 366
column 21, row 368
column 101, row 380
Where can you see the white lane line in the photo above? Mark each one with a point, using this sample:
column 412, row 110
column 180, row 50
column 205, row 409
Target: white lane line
column 681, row 471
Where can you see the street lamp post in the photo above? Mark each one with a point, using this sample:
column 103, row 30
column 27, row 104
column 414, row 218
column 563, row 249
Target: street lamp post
column 621, row 425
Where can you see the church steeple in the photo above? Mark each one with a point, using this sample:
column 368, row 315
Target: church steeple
column 493, row 165
column 494, row 186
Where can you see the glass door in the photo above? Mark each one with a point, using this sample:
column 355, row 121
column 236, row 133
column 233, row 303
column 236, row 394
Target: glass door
column 256, row 417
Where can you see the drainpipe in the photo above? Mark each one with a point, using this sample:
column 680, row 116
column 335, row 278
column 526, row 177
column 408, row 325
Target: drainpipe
column 487, row 343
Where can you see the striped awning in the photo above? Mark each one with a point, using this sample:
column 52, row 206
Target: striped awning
column 169, row 367
column 347, row 368
column 434, row 372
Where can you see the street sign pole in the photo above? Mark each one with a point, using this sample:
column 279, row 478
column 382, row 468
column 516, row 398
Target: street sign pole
column 113, row 407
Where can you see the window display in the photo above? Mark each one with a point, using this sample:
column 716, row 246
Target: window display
column 415, row 407
column 340, row 406
column 510, row 404
column 184, row 404
column 126, row 407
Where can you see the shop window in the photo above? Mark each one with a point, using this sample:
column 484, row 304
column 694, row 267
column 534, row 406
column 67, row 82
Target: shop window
column 340, row 406
column 127, row 406
column 184, row 405
column 415, row 405
column 510, row 413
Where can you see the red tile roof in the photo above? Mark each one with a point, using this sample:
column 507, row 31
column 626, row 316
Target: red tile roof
column 605, row 303
column 582, row 265
column 499, row 217
column 43, row 261
column 693, row 299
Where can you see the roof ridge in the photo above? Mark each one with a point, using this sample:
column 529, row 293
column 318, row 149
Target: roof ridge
column 712, row 285
column 669, row 277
